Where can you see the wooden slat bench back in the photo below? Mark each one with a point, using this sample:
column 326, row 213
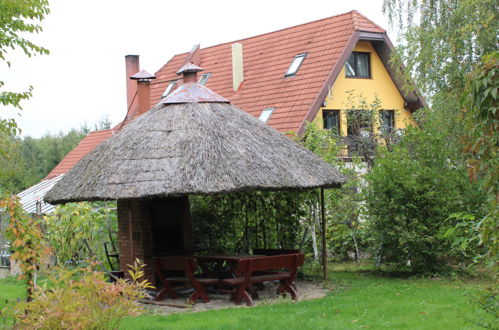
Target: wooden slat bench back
column 267, row 268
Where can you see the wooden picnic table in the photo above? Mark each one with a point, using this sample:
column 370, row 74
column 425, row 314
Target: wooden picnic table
column 232, row 261
column 246, row 271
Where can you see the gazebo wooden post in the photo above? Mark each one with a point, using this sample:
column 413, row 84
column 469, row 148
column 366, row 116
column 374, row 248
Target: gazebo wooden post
column 324, row 250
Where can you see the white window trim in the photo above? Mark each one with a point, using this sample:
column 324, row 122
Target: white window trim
column 298, row 59
column 169, row 88
column 204, row 78
column 265, row 115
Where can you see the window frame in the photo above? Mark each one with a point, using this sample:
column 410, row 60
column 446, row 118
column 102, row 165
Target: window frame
column 169, row 88
column 296, row 57
column 271, row 110
column 325, row 112
column 204, row 76
column 355, row 69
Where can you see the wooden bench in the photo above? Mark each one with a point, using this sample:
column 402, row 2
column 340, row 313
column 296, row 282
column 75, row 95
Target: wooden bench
column 248, row 273
column 188, row 266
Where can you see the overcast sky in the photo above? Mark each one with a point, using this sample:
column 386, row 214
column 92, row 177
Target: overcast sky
column 83, row 78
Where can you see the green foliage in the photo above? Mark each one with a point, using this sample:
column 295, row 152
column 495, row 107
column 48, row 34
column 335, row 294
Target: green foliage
column 11, row 163
column 17, row 19
column 464, row 236
column 442, row 40
column 245, row 221
column 27, row 161
column 43, row 154
column 482, row 138
column 82, row 299
column 482, row 123
column 345, row 234
column 409, row 195
column 78, row 231
column 26, row 242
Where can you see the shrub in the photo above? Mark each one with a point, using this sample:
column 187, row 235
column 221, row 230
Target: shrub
column 410, row 194
column 82, row 299
column 78, row 231
column 29, row 248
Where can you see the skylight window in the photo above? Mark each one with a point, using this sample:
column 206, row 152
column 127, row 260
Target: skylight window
column 204, row 78
column 169, row 88
column 266, row 114
column 295, row 65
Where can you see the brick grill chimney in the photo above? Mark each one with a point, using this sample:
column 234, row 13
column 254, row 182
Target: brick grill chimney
column 132, row 66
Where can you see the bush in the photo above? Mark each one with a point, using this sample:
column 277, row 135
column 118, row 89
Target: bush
column 82, row 299
column 78, row 231
column 410, row 194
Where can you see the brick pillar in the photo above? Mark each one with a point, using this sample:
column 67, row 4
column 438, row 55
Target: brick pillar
column 135, row 214
column 138, row 214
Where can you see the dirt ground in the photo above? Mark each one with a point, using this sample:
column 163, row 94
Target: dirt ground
column 306, row 290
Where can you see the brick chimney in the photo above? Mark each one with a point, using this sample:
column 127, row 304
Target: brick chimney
column 237, row 65
column 143, row 79
column 132, row 66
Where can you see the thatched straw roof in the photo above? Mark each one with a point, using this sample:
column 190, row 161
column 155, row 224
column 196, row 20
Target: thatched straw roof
column 193, row 148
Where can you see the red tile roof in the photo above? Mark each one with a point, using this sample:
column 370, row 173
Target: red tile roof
column 87, row 144
column 266, row 60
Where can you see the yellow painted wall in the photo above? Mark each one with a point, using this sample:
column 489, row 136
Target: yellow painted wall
column 379, row 84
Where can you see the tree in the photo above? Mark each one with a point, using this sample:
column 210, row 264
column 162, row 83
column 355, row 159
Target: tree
column 441, row 42
column 18, row 17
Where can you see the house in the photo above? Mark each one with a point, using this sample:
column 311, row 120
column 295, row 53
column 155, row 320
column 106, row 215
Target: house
column 286, row 78
column 301, row 74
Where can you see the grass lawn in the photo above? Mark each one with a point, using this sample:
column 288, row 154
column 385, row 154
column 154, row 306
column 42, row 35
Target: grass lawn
column 359, row 300
column 10, row 290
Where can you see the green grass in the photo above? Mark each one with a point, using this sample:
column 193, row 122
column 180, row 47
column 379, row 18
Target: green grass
column 10, row 290
column 359, row 299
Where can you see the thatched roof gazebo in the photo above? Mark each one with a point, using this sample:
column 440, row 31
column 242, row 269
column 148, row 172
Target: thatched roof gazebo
column 193, row 142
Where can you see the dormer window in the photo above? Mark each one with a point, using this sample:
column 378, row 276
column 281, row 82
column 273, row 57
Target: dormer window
column 204, row 78
column 169, row 88
column 295, row 65
column 266, row 114
column 358, row 65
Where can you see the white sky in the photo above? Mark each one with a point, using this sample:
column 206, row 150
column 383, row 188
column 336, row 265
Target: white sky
column 83, row 78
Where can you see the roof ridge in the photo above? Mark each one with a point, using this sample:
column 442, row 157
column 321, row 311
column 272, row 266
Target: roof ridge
column 355, row 19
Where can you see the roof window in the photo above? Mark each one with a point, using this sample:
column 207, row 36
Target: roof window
column 169, row 88
column 204, row 78
column 295, row 65
column 266, row 114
